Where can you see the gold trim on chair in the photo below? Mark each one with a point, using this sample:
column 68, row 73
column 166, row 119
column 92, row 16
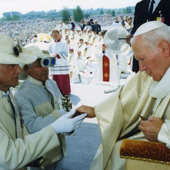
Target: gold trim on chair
column 155, row 152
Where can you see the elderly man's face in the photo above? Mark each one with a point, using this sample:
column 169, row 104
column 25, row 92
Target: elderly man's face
column 155, row 61
column 9, row 76
column 37, row 71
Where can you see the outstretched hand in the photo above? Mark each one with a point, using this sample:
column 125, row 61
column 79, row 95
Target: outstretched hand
column 66, row 123
column 85, row 109
column 128, row 39
column 151, row 128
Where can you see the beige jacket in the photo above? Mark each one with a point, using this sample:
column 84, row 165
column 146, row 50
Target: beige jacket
column 16, row 152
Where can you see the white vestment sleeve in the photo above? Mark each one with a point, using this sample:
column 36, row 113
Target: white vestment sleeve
column 164, row 134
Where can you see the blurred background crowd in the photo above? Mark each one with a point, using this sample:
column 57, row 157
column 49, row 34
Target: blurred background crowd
column 24, row 31
column 85, row 40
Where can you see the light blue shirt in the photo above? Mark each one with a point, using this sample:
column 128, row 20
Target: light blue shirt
column 154, row 5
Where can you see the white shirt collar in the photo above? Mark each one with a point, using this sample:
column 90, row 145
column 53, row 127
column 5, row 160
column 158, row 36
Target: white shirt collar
column 160, row 89
column 34, row 81
column 5, row 94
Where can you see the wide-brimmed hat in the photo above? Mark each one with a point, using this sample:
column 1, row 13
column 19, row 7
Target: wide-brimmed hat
column 35, row 51
column 11, row 53
column 149, row 26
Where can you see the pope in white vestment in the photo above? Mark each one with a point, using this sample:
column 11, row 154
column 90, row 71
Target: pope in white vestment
column 147, row 94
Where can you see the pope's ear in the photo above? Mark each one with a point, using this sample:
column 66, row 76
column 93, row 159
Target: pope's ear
column 164, row 48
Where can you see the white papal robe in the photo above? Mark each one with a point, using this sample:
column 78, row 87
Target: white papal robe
column 118, row 116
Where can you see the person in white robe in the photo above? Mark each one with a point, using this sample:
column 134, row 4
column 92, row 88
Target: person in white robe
column 111, row 68
column 90, row 33
column 60, row 72
column 94, row 39
column 88, row 50
column 88, row 26
column 81, row 46
column 74, row 71
column 100, row 40
column 72, row 56
column 80, row 61
column 84, row 34
column 68, row 31
column 147, row 94
column 89, row 54
column 77, row 34
column 61, row 28
column 116, row 22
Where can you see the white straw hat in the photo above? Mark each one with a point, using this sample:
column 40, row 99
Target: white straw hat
column 35, row 51
column 13, row 54
column 38, row 52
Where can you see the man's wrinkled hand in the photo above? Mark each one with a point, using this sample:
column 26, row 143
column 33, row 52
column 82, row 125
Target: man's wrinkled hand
column 151, row 128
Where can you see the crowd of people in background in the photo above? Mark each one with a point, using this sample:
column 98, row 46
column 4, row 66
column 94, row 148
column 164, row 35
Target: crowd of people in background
column 84, row 39
column 24, row 31
column 99, row 47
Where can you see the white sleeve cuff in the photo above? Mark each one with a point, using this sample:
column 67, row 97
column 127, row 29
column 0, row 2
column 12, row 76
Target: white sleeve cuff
column 163, row 135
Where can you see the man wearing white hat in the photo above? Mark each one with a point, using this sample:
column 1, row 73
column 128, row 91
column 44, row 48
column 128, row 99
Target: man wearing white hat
column 147, row 94
column 17, row 149
column 42, row 104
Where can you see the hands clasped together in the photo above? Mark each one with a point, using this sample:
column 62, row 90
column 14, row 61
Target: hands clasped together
column 151, row 128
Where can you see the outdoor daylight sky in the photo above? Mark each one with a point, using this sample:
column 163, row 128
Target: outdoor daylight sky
column 25, row 6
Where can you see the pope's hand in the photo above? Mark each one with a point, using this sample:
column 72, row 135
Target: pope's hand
column 66, row 124
column 151, row 128
column 86, row 109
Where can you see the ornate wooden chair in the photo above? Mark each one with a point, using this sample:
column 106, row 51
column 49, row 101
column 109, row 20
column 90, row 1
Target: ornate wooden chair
column 145, row 155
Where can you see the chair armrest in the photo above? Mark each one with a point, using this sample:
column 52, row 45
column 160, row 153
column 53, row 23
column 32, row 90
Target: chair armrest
column 145, row 150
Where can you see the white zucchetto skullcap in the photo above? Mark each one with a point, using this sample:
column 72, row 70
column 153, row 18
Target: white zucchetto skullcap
column 149, row 26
